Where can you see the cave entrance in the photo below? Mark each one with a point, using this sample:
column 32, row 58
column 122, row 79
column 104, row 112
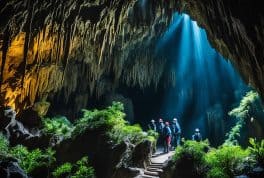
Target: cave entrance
column 206, row 87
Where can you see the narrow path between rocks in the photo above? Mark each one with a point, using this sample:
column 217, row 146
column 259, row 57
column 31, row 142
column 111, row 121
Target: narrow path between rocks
column 157, row 161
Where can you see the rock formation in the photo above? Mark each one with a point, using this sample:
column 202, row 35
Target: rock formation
column 10, row 168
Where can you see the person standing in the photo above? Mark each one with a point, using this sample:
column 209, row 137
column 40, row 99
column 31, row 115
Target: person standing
column 152, row 125
column 197, row 136
column 176, row 133
column 160, row 128
column 167, row 137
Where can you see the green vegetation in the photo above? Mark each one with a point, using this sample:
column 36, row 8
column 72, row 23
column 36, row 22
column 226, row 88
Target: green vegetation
column 246, row 105
column 249, row 106
column 63, row 171
column 79, row 170
column 153, row 137
column 122, row 132
column 194, row 150
column 109, row 121
column 30, row 160
column 191, row 156
column 83, row 169
column 3, row 146
column 60, row 126
column 234, row 134
column 224, row 160
column 112, row 121
column 257, row 150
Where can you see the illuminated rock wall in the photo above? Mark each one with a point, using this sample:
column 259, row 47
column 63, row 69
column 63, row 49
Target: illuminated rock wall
column 76, row 49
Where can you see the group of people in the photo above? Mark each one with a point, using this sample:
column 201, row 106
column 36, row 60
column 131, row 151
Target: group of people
column 170, row 134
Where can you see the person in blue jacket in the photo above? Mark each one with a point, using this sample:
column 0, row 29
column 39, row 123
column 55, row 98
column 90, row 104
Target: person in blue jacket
column 167, row 137
column 176, row 133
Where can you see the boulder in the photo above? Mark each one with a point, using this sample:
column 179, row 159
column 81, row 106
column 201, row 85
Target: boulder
column 141, row 154
column 257, row 172
column 30, row 118
column 11, row 169
column 6, row 115
column 17, row 133
column 41, row 108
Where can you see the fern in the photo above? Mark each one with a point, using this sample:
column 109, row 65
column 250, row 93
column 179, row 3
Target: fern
column 257, row 150
column 30, row 160
column 4, row 144
column 81, row 169
column 242, row 112
column 57, row 126
column 111, row 120
column 63, row 171
column 225, row 158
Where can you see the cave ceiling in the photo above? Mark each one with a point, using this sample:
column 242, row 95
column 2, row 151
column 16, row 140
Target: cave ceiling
column 78, row 48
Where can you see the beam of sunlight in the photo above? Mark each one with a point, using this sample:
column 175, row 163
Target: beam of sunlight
column 204, row 79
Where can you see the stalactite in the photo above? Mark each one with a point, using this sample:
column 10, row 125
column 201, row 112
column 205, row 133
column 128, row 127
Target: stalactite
column 28, row 28
column 77, row 48
column 6, row 38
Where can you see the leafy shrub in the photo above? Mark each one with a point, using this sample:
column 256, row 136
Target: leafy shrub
column 190, row 159
column 81, row 169
column 153, row 134
column 57, row 126
column 107, row 119
column 30, row 160
column 216, row 172
column 250, row 105
column 133, row 133
column 153, row 137
column 234, row 134
column 257, row 150
column 245, row 105
column 196, row 150
column 63, row 170
column 4, row 144
column 111, row 120
column 224, row 160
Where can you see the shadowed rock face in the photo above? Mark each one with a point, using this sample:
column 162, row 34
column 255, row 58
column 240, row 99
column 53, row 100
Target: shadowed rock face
column 68, row 51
